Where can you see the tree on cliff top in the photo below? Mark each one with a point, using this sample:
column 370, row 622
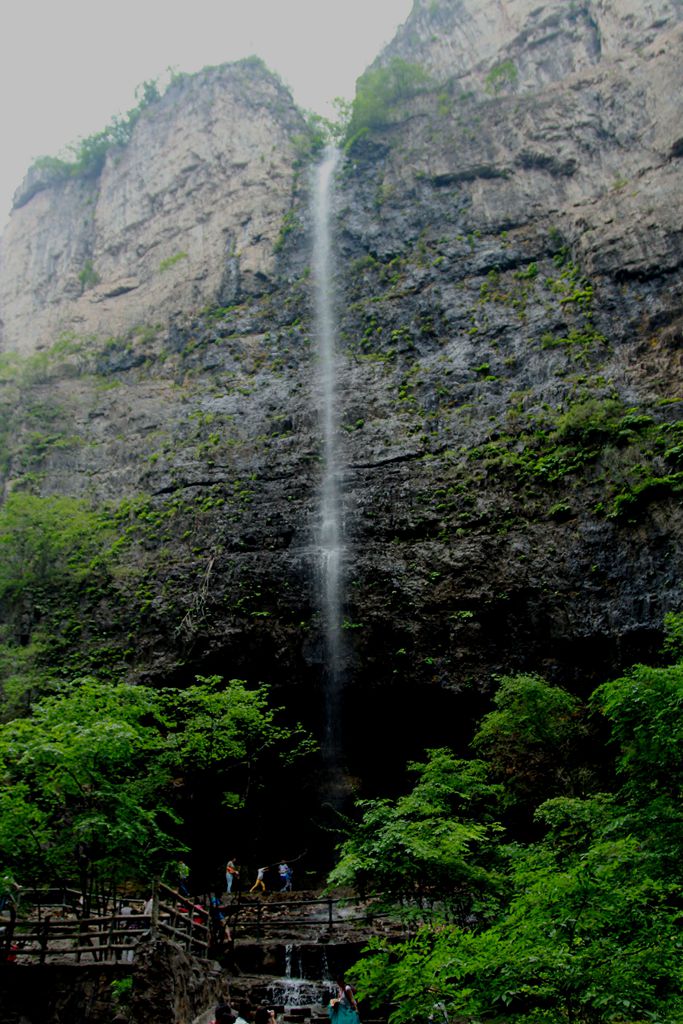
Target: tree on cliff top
column 85, row 158
column 379, row 93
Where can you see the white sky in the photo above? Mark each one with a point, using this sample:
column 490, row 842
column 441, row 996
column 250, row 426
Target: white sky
column 67, row 66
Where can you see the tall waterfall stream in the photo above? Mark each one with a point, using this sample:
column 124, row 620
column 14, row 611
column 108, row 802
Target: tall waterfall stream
column 330, row 541
column 295, row 990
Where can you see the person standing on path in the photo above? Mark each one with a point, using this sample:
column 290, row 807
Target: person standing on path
column 285, row 873
column 231, row 873
column 183, row 878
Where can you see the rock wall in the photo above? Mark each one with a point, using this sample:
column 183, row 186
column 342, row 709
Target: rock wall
column 514, row 264
column 169, row 987
column 509, row 293
column 186, row 215
column 546, row 42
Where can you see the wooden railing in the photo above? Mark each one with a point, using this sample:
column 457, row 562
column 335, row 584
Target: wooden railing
column 108, row 938
column 103, row 938
column 325, row 913
column 58, row 934
column 180, row 919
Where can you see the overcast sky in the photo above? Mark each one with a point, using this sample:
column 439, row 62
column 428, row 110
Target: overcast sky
column 67, row 66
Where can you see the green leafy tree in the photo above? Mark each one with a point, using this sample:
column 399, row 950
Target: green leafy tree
column 46, row 545
column 587, row 937
column 429, row 846
column 590, row 937
column 645, row 712
column 90, row 778
column 227, row 734
column 531, row 741
column 54, row 554
column 673, row 635
column 84, row 796
column 590, row 933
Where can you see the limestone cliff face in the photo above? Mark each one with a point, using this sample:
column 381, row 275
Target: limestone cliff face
column 184, row 216
column 582, row 121
column 509, row 286
column 517, row 252
column 545, row 41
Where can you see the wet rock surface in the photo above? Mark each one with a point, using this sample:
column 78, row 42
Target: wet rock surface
column 169, row 985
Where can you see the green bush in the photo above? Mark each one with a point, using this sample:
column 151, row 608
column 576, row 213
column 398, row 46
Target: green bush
column 588, row 927
column 86, row 158
column 88, row 275
column 47, row 545
column 171, row 261
column 379, row 93
column 500, row 76
column 593, row 420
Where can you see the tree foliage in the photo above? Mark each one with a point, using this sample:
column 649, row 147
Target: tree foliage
column 530, row 739
column 227, row 733
column 588, row 929
column 645, row 712
column 381, row 91
column 85, row 158
column 54, row 558
column 431, row 845
column 89, row 779
column 673, row 635
column 46, row 545
column 82, row 790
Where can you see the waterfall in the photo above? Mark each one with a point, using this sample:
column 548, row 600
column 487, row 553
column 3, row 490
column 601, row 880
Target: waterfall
column 330, row 540
column 293, row 970
column 295, row 989
column 296, row 992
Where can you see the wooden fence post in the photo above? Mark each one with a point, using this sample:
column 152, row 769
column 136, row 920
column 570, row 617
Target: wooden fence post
column 154, row 922
column 43, row 938
column 9, row 932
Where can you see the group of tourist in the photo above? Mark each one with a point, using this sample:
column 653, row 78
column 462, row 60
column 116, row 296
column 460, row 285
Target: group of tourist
column 342, row 1009
column 284, row 871
column 232, row 874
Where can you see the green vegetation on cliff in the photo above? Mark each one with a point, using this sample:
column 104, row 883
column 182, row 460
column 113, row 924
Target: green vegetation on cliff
column 86, row 157
column 379, row 94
